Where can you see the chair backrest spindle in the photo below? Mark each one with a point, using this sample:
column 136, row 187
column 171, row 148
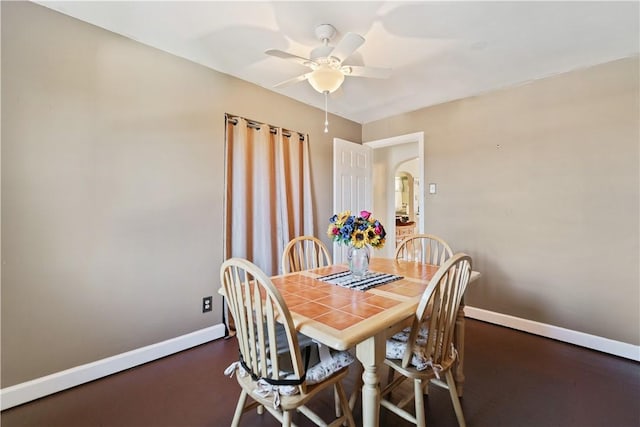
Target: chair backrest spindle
column 438, row 310
column 425, row 248
column 256, row 306
column 304, row 253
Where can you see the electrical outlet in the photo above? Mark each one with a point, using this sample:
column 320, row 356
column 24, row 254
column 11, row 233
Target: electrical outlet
column 207, row 303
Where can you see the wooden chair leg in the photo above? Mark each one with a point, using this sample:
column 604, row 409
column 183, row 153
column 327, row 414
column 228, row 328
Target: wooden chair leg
column 454, row 399
column 286, row 419
column 239, row 409
column 390, row 376
column 419, row 403
column 344, row 404
column 357, row 389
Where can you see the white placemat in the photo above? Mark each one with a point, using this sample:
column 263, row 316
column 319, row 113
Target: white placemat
column 368, row 281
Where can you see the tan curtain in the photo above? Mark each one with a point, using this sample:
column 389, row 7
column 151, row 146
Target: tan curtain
column 268, row 191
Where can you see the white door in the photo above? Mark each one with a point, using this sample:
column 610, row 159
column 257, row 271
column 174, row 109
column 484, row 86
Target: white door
column 352, row 183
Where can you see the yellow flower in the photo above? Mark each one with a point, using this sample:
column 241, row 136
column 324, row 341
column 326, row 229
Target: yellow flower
column 372, row 237
column 359, row 239
column 342, row 218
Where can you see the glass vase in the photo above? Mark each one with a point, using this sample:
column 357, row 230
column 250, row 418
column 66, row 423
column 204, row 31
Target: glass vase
column 358, row 259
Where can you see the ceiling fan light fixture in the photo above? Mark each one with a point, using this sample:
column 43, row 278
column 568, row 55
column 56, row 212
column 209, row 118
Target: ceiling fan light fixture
column 326, row 79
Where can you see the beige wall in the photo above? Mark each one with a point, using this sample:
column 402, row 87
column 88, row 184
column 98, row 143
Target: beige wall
column 112, row 189
column 540, row 184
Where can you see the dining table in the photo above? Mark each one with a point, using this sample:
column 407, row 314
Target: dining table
column 364, row 317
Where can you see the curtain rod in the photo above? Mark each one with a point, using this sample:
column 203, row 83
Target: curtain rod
column 256, row 125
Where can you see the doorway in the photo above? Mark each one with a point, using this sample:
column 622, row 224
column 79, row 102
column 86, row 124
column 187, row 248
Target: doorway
column 388, row 155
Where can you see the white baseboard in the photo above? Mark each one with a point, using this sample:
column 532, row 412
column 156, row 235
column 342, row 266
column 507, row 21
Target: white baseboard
column 40, row 387
column 606, row 345
column 43, row 386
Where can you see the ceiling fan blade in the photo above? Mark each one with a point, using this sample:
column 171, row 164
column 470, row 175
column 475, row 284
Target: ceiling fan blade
column 294, row 80
column 289, row 56
column 349, row 44
column 357, row 71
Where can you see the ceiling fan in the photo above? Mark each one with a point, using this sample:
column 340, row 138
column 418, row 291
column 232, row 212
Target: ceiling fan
column 326, row 62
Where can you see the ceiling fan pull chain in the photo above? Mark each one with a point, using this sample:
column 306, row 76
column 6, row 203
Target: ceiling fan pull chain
column 326, row 115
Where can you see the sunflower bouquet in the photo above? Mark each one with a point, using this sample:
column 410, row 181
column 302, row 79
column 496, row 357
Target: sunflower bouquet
column 356, row 231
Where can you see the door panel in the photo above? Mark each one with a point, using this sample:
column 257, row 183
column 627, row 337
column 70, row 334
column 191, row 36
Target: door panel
column 352, row 183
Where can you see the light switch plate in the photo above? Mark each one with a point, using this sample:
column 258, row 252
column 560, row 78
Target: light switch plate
column 432, row 188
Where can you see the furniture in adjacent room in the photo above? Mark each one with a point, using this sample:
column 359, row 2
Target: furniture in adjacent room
column 404, row 230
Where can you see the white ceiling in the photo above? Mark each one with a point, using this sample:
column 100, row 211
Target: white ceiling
column 439, row 51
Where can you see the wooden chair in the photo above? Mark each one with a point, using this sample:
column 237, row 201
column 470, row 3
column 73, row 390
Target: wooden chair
column 425, row 351
column 425, row 248
column 304, row 253
column 280, row 384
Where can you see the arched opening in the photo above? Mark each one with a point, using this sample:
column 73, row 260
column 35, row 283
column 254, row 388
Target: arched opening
column 388, row 155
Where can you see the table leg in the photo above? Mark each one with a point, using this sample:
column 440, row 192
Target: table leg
column 371, row 354
column 458, row 372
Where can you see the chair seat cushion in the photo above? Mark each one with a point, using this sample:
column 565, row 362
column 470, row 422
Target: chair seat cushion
column 329, row 365
column 331, row 361
column 325, row 368
column 397, row 345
